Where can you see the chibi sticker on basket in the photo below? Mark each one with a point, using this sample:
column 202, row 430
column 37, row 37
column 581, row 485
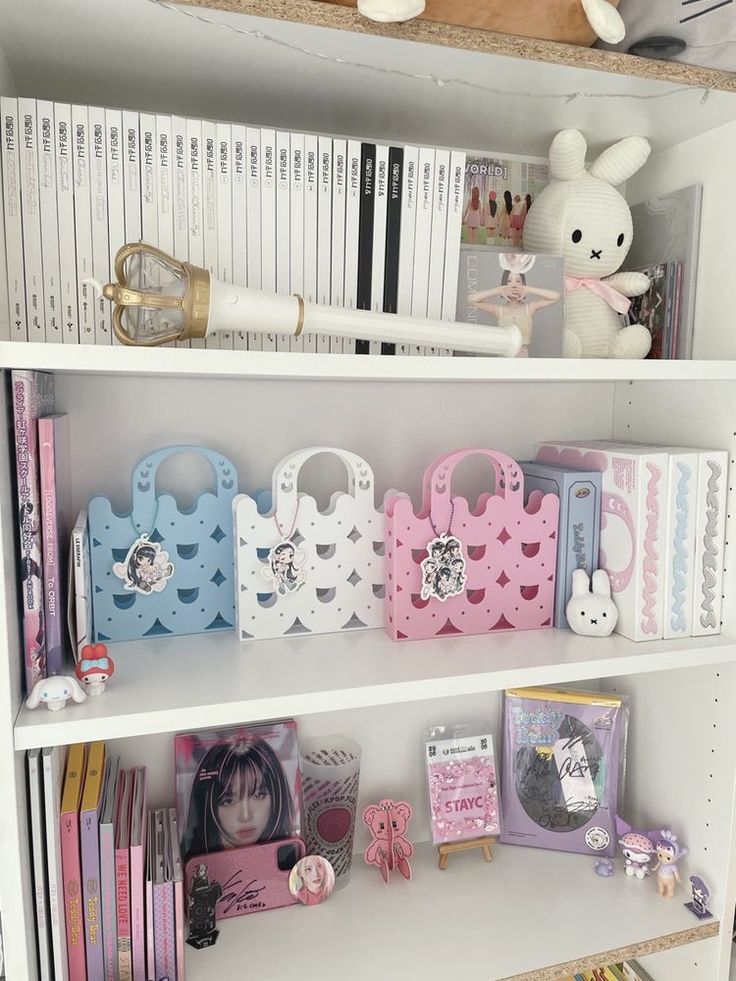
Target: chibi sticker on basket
column 146, row 568
column 161, row 568
column 302, row 570
column 491, row 567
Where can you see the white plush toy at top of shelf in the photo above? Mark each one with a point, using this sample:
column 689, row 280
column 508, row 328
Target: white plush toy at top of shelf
column 55, row 692
column 581, row 216
column 601, row 15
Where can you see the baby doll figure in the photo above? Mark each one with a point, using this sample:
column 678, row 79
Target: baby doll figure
column 669, row 852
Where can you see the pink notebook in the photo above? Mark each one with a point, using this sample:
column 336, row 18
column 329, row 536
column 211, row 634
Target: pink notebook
column 137, row 874
column 53, row 447
column 122, row 875
column 71, row 862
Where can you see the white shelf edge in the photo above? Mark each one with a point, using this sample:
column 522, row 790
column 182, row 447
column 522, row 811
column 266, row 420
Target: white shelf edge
column 129, row 715
column 188, row 363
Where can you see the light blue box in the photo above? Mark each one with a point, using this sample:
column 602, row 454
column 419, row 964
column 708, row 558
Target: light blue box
column 578, row 534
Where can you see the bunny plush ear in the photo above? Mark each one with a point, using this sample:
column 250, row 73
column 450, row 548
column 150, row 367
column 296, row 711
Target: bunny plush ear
column 580, row 582
column 78, row 693
column 567, row 155
column 616, row 164
column 605, row 20
column 601, row 583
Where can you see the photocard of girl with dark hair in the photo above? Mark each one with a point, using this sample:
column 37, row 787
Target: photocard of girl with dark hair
column 237, row 786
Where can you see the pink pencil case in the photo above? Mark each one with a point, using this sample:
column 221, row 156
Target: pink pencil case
column 253, row 878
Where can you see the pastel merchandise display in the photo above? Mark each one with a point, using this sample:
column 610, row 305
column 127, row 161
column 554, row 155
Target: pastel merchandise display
column 710, row 540
column 581, row 216
column 679, row 556
column 591, row 612
column 299, row 570
column 159, row 569
column 390, row 849
column 312, row 880
column 669, row 852
column 562, row 769
column 638, row 850
column 633, row 525
column 578, row 534
column 698, row 906
column 461, row 774
column 451, row 570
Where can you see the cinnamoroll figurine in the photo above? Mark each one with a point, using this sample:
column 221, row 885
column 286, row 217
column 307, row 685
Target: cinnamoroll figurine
column 55, row 692
column 94, row 668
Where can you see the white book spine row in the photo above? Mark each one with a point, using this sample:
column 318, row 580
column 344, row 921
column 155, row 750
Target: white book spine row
column 279, row 211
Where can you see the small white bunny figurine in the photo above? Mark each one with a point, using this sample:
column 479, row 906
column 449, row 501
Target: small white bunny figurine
column 604, row 19
column 581, row 216
column 54, row 692
column 591, row 614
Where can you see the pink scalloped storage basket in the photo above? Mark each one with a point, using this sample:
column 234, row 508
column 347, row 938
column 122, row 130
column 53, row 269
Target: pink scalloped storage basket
column 510, row 555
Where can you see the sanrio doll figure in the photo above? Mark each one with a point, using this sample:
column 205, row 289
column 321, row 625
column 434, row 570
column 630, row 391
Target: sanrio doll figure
column 55, row 692
column 638, row 851
column 94, row 668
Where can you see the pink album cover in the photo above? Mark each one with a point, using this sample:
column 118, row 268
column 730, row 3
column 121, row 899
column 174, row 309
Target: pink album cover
column 53, row 448
column 237, row 786
column 33, row 396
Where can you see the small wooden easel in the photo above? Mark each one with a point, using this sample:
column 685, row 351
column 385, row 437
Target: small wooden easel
column 462, row 846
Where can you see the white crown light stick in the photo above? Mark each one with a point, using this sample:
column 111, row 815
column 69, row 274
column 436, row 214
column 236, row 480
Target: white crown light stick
column 159, row 299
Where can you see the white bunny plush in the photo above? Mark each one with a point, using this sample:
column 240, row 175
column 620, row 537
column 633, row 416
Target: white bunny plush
column 54, row 692
column 581, row 216
column 591, row 614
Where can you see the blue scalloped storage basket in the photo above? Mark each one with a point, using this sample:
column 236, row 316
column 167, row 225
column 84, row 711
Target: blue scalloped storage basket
column 200, row 596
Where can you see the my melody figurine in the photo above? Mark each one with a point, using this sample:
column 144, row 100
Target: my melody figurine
column 669, row 852
column 95, row 667
column 387, row 821
column 55, row 692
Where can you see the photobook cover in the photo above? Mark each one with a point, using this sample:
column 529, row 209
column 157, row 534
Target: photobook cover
column 500, row 287
column 237, row 786
column 498, row 194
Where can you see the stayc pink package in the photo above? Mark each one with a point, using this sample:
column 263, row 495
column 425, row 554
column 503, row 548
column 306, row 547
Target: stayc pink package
column 450, row 570
column 461, row 774
column 633, row 526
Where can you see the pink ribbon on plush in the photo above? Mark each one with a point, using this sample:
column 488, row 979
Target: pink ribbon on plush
column 612, row 297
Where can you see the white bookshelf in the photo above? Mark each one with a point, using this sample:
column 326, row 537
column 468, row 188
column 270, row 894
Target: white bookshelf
column 529, row 913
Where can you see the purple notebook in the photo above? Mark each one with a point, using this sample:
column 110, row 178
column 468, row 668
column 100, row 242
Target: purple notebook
column 89, row 836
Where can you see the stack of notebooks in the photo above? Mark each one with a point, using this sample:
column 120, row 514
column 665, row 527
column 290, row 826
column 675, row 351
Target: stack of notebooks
column 109, row 897
column 341, row 222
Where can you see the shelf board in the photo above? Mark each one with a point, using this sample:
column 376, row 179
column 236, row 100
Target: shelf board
column 318, row 14
column 503, row 920
column 205, row 680
column 189, row 363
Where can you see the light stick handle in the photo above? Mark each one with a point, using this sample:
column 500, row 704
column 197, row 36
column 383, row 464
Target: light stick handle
column 240, row 308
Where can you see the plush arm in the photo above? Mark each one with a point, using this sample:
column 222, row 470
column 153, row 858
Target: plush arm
column 629, row 283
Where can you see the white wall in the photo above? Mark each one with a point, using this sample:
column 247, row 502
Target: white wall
column 7, row 83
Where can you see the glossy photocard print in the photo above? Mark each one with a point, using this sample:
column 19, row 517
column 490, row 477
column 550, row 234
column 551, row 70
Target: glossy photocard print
column 237, row 786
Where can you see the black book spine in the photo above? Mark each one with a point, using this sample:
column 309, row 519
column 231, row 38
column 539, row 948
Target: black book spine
column 393, row 235
column 365, row 235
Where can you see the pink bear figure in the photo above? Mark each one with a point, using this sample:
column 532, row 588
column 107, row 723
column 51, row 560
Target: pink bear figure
column 387, row 821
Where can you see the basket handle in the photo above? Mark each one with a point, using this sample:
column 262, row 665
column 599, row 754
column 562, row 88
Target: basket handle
column 286, row 476
column 144, row 498
column 438, row 479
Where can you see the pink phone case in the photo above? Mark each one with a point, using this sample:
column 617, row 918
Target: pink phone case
column 253, row 878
